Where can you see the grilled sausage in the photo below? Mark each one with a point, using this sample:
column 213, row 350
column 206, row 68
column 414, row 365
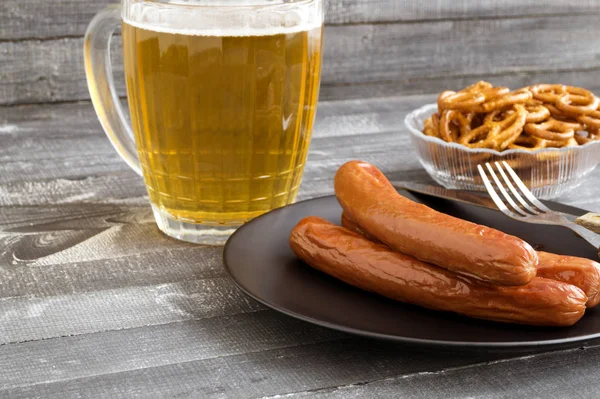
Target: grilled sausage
column 580, row 272
column 374, row 267
column 417, row 230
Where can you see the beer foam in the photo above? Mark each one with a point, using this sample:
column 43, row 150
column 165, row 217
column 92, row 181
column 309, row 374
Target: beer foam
column 224, row 17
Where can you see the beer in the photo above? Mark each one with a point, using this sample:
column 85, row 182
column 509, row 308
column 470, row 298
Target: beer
column 222, row 122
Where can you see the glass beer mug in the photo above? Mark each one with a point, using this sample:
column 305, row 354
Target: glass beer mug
column 222, row 97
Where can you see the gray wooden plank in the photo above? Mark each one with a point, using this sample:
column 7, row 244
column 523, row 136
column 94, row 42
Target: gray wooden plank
column 360, row 11
column 27, row 19
column 568, row 374
column 130, row 233
column 124, row 187
column 149, row 269
column 389, row 52
column 125, row 350
column 67, row 142
column 113, row 182
column 52, row 70
column 362, row 90
column 59, row 152
column 260, row 373
column 31, row 318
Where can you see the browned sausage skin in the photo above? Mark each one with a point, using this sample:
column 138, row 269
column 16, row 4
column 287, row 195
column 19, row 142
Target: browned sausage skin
column 374, row 267
column 370, row 200
column 580, row 272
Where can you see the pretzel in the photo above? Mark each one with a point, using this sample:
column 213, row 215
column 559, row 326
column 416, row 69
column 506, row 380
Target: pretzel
column 589, row 136
column 557, row 113
column 576, row 101
column 536, row 112
column 547, row 93
column 526, row 142
column 572, row 142
column 591, row 120
column 461, row 101
column 531, row 118
column 507, row 99
column 479, row 86
column 432, row 126
column 449, row 131
column 552, row 129
column 469, row 98
column 499, row 131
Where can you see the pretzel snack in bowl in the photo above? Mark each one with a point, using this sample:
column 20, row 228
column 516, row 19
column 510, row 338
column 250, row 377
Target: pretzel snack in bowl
column 530, row 118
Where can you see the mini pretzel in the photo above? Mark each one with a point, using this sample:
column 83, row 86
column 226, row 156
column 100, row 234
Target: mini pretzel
column 464, row 121
column 576, row 101
column 572, row 142
column 497, row 134
column 502, row 101
column 552, row 129
column 494, row 92
column 453, row 124
column 461, row 101
column 589, row 136
column 497, row 116
column 557, row 113
column 449, row 131
column 432, row 126
column 536, row 112
column 592, row 119
column 526, row 142
column 547, row 93
column 481, row 85
column 538, row 116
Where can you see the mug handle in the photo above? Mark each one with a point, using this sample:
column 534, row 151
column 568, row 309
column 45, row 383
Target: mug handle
column 98, row 71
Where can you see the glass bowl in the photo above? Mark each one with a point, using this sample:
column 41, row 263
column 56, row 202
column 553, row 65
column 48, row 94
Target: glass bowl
column 547, row 172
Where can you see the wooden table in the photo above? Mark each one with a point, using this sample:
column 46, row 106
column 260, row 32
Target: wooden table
column 96, row 302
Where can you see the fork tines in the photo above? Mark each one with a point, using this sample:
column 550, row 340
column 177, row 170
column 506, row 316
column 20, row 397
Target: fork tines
column 526, row 203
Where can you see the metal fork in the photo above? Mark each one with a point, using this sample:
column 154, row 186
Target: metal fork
column 529, row 209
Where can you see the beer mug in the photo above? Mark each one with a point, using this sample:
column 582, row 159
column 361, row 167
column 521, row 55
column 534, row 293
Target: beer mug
column 222, row 97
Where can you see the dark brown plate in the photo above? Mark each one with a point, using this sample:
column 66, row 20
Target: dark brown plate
column 259, row 260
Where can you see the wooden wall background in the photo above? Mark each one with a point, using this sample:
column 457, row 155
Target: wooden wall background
column 373, row 47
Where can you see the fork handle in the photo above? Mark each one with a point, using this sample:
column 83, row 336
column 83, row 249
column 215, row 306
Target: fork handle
column 586, row 234
column 590, row 221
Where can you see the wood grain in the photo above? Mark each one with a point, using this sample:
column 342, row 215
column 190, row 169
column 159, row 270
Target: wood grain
column 60, row 152
column 154, row 346
column 33, row 176
column 259, row 373
column 402, row 54
column 92, row 245
column 28, row 319
column 95, row 302
column 567, row 374
column 363, row 90
column 32, row 19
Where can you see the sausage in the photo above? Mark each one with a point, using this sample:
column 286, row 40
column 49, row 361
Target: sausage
column 353, row 226
column 417, row 230
column 374, row 267
column 580, row 272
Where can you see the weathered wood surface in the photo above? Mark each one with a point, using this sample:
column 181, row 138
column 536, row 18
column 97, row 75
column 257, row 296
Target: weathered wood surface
column 32, row 19
column 423, row 57
column 56, row 154
column 95, row 302
column 547, row 376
